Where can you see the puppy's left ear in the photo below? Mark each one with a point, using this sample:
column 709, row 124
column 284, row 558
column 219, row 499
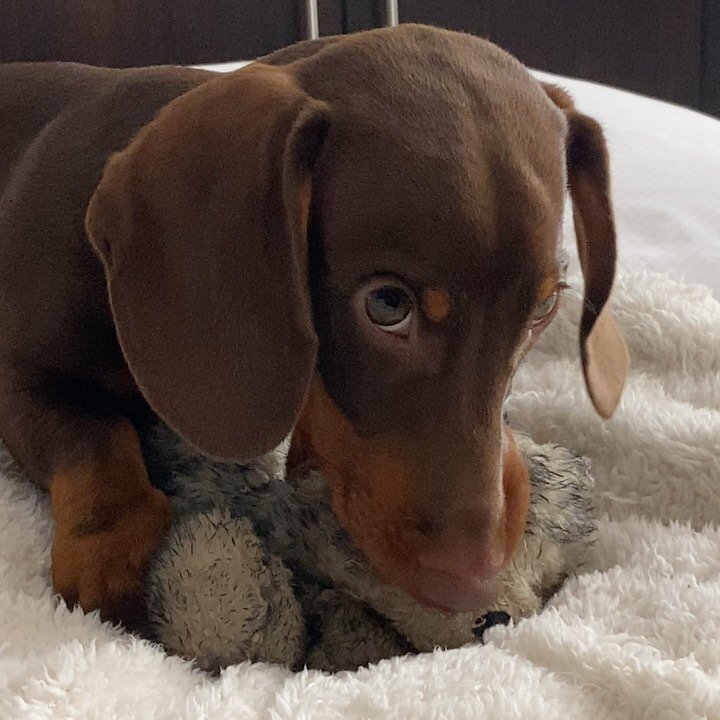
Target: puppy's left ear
column 201, row 224
column 603, row 351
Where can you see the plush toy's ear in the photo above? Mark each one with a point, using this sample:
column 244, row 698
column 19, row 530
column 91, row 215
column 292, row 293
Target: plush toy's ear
column 602, row 348
column 201, row 225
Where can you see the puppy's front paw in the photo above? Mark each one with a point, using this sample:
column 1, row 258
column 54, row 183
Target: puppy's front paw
column 99, row 560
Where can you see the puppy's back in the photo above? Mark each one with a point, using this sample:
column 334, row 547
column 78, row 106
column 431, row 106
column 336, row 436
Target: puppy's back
column 37, row 97
column 59, row 123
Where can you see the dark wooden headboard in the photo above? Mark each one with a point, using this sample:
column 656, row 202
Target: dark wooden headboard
column 665, row 48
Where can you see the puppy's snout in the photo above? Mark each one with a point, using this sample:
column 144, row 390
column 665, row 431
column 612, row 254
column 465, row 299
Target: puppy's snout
column 458, row 567
column 438, row 525
column 457, row 571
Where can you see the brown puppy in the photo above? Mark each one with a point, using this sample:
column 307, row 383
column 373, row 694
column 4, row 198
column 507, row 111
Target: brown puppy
column 356, row 238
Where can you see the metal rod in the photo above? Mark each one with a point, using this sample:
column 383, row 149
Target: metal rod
column 392, row 14
column 311, row 19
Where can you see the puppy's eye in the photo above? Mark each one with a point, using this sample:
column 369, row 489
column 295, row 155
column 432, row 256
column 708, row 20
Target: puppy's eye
column 543, row 309
column 544, row 312
column 389, row 307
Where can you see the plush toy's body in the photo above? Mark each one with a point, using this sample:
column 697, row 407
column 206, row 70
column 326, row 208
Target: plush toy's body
column 256, row 566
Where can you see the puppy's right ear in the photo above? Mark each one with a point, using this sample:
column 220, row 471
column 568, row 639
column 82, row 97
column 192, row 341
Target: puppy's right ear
column 201, row 225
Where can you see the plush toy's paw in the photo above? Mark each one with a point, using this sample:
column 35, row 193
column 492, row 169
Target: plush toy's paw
column 216, row 596
column 345, row 634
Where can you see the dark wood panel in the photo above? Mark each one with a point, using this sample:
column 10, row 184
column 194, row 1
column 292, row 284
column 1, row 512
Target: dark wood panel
column 331, row 17
column 649, row 46
column 363, row 15
column 665, row 48
column 710, row 83
column 144, row 32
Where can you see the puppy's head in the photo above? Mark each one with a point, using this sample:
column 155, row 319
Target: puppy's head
column 361, row 245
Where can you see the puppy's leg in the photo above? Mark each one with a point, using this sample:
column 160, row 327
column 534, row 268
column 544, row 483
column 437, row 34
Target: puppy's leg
column 108, row 524
column 109, row 520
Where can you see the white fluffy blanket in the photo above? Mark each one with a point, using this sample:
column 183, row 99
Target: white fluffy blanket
column 637, row 636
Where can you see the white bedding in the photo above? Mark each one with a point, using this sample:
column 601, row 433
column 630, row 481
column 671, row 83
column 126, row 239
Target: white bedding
column 636, row 636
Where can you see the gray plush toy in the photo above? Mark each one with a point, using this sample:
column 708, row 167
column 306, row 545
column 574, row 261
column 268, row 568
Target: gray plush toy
column 257, row 568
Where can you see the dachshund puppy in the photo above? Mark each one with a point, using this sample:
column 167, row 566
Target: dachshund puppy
column 354, row 240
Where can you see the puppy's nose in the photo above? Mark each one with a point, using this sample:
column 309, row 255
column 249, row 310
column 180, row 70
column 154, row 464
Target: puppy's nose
column 460, row 575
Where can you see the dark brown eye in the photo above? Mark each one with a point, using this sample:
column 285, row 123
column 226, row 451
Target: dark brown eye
column 389, row 307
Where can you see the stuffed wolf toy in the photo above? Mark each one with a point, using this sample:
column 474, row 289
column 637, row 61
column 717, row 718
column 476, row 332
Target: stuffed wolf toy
column 257, row 568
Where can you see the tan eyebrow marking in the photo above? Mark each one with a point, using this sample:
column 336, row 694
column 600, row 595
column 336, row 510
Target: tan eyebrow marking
column 548, row 286
column 436, row 304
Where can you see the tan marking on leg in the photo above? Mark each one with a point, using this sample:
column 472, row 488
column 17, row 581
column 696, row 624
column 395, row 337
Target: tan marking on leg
column 109, row 521
column 547, row 287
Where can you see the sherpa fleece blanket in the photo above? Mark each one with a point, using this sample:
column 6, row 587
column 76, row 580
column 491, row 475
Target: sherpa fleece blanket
column 637, row 635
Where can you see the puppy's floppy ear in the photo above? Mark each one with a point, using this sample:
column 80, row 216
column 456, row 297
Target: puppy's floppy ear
column 602, row 348
column 201, row 225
